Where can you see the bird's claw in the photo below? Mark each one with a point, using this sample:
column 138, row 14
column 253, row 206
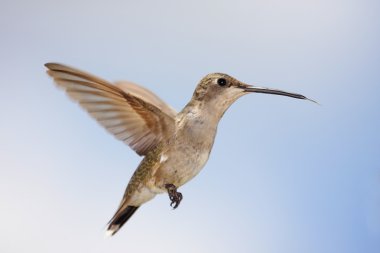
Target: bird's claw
column 176, row 200
column 174, row 196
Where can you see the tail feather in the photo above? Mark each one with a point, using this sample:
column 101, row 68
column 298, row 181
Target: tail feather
column 119, row 219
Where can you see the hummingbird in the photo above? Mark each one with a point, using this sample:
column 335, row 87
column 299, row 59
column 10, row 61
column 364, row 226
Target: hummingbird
column 175, row 146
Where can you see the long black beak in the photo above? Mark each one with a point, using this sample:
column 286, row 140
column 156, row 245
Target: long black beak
column 250, row 88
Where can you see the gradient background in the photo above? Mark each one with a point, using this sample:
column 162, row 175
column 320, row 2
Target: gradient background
column 284, row 176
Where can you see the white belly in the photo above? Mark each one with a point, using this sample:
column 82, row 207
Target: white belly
column 187, row 152
column 182, row 163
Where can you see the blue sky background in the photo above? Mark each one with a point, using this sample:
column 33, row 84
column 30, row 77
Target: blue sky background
column 284, row 176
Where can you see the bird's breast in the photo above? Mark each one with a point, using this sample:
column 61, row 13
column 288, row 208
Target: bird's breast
column 183, row 160
column 187, row 152
column 182, row 164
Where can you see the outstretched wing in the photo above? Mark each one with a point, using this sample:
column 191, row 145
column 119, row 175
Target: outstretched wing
column 146, row 95
column 130, row 118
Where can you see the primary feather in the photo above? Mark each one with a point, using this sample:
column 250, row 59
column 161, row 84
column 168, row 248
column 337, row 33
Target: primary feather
column 131, row 113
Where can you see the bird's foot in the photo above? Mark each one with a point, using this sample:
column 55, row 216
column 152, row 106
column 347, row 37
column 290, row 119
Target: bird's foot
column 174, row 196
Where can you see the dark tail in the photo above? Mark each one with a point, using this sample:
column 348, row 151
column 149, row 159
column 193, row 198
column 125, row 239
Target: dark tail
column 119, row 219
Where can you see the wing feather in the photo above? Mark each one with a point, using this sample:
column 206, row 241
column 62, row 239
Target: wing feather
column 147, row 95
column 138, row 121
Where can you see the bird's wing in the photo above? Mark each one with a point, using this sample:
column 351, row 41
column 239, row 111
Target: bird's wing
column 146, row 95
column 130, row 118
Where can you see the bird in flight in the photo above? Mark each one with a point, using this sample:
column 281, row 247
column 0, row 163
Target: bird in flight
column 175, row 146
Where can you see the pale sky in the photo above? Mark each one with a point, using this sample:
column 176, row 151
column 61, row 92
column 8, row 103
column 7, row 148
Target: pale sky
column 284, row 175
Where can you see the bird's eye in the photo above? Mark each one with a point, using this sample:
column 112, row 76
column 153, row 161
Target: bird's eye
column 221, row 82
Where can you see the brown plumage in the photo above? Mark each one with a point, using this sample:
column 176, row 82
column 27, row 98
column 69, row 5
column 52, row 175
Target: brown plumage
column 175, row 146
column 138, row 123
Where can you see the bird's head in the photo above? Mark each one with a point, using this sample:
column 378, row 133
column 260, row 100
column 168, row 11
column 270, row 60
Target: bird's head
column 222, row 90
column 217, row 91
